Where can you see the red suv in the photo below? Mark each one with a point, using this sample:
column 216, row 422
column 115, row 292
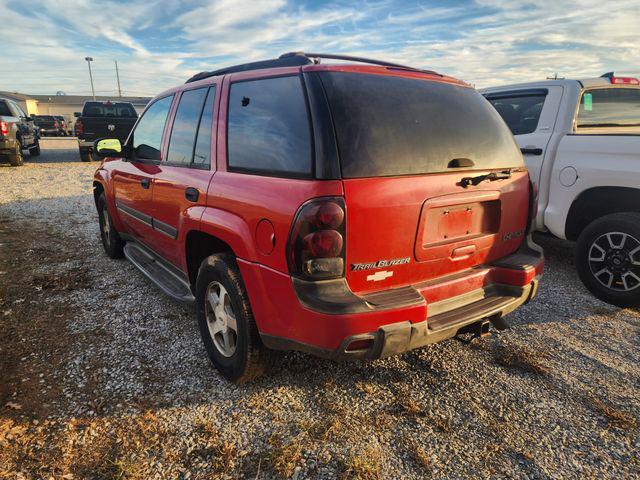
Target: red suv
column 344, row 210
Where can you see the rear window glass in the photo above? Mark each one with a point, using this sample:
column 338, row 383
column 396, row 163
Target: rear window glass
column 521, row 113
column 109, row 110
column 609, row 107
column 268, row 127
column 4, row 109
column 387, row 125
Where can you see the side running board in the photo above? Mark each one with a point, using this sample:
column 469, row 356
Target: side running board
column 170, row 282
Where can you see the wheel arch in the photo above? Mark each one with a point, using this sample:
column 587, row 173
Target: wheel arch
column 597, row 202
column 198, row 246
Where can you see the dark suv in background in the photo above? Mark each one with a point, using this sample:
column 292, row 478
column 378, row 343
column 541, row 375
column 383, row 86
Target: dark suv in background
column 103, row 119
column 17, row 133
column 48, row 125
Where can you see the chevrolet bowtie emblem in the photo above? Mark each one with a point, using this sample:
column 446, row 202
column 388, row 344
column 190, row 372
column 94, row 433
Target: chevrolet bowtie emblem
column 378, row 276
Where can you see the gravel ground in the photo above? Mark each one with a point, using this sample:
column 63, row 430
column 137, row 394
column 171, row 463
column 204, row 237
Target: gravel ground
column 104, row 377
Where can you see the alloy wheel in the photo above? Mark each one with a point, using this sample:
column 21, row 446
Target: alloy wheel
column 614, row 260
column 221, row 319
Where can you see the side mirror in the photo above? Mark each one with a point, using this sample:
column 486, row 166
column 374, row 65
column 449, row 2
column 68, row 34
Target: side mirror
column 77, row 114
column 107, row 147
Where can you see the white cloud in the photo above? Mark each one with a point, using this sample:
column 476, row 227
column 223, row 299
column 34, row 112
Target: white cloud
column 488, row 42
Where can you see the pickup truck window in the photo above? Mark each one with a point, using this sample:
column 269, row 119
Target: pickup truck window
column 521, row 113
column 185, row 126
column 269, row 129
column 108, row 109
column 387, row 125
column 4, row 109
column 609, row 107
column 147, row 136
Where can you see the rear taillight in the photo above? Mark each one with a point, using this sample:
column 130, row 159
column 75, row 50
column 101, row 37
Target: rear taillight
column 56, row 125
column 79, row 127
column 4, row 129
column 316, row 243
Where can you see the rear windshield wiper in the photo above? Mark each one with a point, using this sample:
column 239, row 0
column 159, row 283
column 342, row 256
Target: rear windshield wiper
column 466, row 181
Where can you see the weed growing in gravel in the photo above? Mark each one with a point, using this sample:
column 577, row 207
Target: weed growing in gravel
column 521, row 358
column 284, row 457
column 364, row 465
column 420, row 456
column 616, row 418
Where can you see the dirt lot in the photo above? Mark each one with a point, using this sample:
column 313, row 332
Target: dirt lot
column 104, row 377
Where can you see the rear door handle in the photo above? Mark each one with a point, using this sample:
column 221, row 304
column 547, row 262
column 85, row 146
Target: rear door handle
column 192, row 194
column 145, row 183
column 531, row 151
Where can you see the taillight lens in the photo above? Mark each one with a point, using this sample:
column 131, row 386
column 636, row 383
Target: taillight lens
column 56, row 125
column 4, row 129
column 79, row 127
column 316, row 243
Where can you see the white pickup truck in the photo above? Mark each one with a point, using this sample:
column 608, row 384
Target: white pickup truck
column 581, row 143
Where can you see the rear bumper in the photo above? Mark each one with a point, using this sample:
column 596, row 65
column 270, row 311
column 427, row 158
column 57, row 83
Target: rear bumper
column 7, row 146
column 49, row 131
column 326, row 318
column 399, row 337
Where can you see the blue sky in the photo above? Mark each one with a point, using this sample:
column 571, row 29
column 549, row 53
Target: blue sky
column 160, row 43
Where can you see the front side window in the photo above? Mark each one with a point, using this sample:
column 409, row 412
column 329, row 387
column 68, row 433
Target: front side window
column 268, row 127
column 609, row 107
column 185, row 126
column 147, row 136
column 521, row 112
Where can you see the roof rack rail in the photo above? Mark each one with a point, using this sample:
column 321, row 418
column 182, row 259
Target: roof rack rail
column 317, row 56
column 297, row 59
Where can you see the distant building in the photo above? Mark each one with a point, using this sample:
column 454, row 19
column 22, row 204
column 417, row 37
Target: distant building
column 66, row 105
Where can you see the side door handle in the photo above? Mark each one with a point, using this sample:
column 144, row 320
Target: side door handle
column 531, row 151
column 145, row 183
column 192, row 194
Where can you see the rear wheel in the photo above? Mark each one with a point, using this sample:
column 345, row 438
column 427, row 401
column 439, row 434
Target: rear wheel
column 35, row 150
column 16, row 158
column 608, row 258
column 111, row 240
column 226, row 323
column 85, row 155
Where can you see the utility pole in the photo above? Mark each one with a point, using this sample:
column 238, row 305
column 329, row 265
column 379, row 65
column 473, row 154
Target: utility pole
column 89, row 60
column 118, row 77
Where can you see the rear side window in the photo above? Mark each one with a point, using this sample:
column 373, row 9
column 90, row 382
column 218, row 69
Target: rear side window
column 268, row 128
column 609, row 107
column 147, row 136
column 185, row 127
column 99, row 109
column 388, row 125
column 521, row 112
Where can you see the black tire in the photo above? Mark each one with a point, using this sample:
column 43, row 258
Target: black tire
column 111, row 240
column 85, row 155
column 16, row 159
column 608, row 262
column 249, row 358
column 35, row 150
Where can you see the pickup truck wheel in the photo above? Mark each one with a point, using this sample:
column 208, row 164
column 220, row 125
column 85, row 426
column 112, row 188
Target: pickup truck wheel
column 226, row 323
column 85, row 155
column 608, row 258
column 17, row 158
column 35, row 150
column 111, row 240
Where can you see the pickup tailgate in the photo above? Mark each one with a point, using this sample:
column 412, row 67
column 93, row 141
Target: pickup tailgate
column 99, row 127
